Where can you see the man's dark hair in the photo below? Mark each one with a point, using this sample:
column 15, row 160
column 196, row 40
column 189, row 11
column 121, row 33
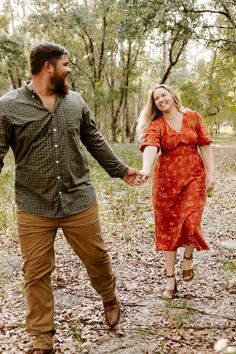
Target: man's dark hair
column 45, row 52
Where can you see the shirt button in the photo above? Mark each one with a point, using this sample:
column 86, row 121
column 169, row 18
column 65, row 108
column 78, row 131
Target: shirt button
column 59, row 192
column 54, row 129
column 58, row 177
column 57, row 161
column 56, row 145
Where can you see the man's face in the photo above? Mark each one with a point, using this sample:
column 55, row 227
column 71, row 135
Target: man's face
column 59, row 76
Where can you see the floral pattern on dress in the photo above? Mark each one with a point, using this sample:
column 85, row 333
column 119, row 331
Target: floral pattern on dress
column 179, row 182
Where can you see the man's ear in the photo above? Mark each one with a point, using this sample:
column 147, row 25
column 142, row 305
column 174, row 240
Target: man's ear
column 48, row 67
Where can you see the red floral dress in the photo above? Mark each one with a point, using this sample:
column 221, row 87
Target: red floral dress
column 179, row 181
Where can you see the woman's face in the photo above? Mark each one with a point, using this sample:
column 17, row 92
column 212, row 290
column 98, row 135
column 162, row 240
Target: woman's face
column 163, row 99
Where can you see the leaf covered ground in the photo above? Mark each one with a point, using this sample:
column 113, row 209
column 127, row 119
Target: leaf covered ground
column 204, row 310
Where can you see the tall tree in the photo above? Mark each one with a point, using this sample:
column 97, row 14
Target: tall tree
column 115, row 48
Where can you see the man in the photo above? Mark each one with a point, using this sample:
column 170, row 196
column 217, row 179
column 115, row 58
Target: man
column 45, row 123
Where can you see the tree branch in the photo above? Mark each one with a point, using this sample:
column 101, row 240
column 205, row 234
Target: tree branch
column 79, row 68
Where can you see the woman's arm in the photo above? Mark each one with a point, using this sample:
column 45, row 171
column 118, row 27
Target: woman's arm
column 208, row 159
column 149, row 156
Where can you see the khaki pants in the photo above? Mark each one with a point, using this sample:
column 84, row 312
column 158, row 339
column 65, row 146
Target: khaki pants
column 37, row 234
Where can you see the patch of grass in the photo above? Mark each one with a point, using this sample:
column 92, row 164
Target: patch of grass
column 3, row 277
column 7, row 197
column 22, row 283
column 210, row 194
column 229, row 266
column 224, row 138
column 129, row 153
column 183, row 313
column 143, row 332
column 127, row 237
column 225, row 157
column 7, row 219
column 162, row 347
column 179, row 305
column 4, row 218
column 76, row 332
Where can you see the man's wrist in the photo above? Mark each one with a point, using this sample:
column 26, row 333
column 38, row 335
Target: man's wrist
column 125, row 172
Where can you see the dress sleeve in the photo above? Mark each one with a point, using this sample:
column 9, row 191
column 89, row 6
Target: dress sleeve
column 204, row 137
column 152, row 136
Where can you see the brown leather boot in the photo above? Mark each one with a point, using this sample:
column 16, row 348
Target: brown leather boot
column 112, row 312
column 42, row 351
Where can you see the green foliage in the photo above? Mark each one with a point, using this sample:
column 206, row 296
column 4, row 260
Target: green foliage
column 116, row 52
column 4, row 23
column 12, row 58
column 191, row 95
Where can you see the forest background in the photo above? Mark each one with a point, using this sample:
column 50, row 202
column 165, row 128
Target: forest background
column 120, row 48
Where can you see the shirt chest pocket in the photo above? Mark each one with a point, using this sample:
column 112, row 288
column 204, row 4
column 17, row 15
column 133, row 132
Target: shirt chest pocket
column 74, row 130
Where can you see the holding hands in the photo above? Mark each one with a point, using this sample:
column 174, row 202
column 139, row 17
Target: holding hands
column 134, row 177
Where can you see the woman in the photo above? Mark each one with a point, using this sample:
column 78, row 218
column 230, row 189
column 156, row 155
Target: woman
column 181, row 177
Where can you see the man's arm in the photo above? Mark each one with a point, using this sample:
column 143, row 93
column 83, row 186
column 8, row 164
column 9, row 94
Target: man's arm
column 103, row 153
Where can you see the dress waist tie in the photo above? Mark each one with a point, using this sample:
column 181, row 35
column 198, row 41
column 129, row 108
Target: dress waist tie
column 180, row 150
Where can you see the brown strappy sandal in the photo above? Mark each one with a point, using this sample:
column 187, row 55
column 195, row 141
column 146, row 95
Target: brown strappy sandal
column 188, row 274
column 170, row 293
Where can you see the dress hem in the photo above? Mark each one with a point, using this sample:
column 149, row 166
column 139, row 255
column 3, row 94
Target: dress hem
column 175, row 249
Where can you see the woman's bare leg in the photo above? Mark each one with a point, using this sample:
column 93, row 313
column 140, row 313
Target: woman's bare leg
column 188, row 251
column 170, row 259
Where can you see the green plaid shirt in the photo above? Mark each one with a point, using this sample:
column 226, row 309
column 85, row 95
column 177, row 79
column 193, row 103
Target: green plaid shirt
column 52, row 173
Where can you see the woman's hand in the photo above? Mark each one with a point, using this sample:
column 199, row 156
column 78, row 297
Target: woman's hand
column 208, row 159
column 210, row 181
column 145, row 175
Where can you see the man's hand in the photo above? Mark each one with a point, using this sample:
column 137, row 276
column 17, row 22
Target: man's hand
column 133, row 177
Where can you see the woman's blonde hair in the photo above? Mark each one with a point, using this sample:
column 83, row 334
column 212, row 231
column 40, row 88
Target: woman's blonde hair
column 151, row 112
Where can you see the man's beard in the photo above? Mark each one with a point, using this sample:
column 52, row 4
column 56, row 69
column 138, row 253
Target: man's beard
column 60, row 85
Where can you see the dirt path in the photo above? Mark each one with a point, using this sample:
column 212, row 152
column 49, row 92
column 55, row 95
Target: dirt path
column 203, row 312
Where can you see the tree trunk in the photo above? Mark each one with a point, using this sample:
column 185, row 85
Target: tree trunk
column 114, row 117
column 165, row 52
column 18, row 75
column 13, row 81
column 177, row 47
column 133, row 132
column 126, row 94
